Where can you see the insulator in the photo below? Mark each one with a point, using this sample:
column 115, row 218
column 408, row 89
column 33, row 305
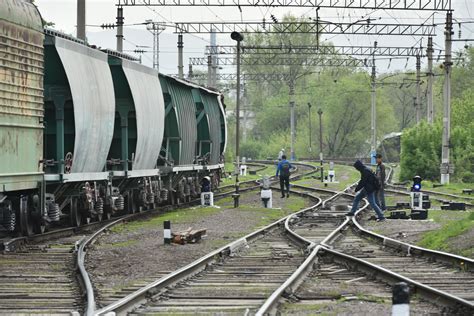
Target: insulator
column 150, row 198
column 181, row 189
column 9, row 220
column 157, row 196
column 164, row 194
column 187, row 189
column 193, row 188
column 54, row 213
column 198, row 186
column 99, row 206
column 120, row 203
column 142, row 198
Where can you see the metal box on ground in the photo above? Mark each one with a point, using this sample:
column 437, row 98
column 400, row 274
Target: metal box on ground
column 419, row 214
column 454, row 206
column 403, row 205
column 398, row 215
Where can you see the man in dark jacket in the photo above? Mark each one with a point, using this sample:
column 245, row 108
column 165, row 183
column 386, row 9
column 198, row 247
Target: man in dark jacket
column 283, row 170
column 367, row 186
column 380, row 173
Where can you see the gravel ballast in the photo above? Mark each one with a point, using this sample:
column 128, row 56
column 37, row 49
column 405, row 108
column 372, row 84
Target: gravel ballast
column 133, row 254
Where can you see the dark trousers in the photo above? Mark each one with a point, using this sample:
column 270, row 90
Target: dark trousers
column 285, row 183
column 380, row 199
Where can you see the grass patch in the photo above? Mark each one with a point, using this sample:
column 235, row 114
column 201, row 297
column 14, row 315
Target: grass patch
column 345, row 175
column 456, row 223
column 229, row 167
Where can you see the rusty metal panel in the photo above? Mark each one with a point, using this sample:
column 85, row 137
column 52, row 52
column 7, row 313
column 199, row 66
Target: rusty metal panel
column 21, row 13
column 21, row 96
column 92, row 91
column 150, row 113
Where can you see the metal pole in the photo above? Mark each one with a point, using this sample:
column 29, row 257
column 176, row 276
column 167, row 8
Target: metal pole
column 190, row 71
column 373, row 117
column 180, row 56
column 213, row 60
column 209, row 71
column 309, row 116
column 418, row 89
column 447, row 101
column 292, row 118
column 155, row 46
column 237, row 122
column 320, row 113
column 120, row 29
column 429, row 87
column 81, row 19
column 244, row 110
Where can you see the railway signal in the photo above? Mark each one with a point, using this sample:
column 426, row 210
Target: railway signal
column 416, row 184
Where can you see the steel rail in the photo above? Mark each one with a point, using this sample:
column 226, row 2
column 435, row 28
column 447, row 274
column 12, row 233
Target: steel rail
column 461, row 262
column 398, row 189
column 297, row 277
column 431, row 192
column 85, row 280
column 141, row 295
column 386, row 274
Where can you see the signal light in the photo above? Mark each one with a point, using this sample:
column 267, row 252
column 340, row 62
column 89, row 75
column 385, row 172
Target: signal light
column 416, row 184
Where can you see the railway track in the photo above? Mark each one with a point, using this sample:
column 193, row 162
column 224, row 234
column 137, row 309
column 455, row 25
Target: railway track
column 279, row 266
column 301, row 170
column 235, row 279
column 317, row 232
column 40, row 278
column 440, row 197
column 352, row 254
column 40, row 272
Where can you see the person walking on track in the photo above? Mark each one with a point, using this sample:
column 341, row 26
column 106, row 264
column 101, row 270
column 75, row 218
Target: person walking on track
column 283, row 170
column 367, row 186
column 380, row 174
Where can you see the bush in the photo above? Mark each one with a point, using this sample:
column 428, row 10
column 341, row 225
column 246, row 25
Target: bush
column 421, row 152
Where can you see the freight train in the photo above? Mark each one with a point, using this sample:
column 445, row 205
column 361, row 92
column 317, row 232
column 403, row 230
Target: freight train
column 87, row 133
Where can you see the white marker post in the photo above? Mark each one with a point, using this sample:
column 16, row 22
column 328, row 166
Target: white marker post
column 167, row 232
column 400, row 299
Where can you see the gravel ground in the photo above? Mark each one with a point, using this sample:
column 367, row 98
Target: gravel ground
column 135, row 251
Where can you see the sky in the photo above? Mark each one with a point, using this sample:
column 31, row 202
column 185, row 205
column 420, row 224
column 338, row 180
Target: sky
column 63, row 14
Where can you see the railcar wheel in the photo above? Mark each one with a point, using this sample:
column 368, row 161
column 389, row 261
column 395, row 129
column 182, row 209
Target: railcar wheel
column 75, row 216
column 39, row 224
column 26, row 223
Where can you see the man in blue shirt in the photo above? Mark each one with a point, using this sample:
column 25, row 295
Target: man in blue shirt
column 283, row 170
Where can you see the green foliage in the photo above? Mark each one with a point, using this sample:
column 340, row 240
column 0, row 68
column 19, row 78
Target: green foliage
column 421, row 151
column 421, row 144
